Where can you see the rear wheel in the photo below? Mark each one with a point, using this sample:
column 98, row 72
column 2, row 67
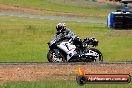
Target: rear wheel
column 52, row 57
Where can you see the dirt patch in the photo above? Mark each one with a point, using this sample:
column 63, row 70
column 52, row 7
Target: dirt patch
column 38, row 11
column 40, row 72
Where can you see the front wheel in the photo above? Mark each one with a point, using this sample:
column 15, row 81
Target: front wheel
column 98, row 57
column 52, row 57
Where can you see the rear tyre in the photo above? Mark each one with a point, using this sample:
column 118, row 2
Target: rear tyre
column 52, row 57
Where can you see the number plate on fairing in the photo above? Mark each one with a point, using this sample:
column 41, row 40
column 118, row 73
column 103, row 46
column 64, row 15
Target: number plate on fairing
column 67, row 47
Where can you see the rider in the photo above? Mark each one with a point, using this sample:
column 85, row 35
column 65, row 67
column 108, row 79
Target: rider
column 63, row 33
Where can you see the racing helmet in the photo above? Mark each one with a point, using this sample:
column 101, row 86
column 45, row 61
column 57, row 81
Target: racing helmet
column 60, row 27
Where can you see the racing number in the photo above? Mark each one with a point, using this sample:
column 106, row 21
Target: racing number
column 66, row 44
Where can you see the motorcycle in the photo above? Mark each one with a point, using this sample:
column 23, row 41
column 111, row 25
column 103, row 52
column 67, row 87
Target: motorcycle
column 76, row 50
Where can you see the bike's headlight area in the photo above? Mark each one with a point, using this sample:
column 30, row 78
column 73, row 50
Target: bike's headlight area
column 95, row 43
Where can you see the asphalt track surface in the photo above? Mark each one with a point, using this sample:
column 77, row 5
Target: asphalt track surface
column 51, row 17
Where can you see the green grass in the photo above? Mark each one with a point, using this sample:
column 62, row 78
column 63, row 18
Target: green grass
column 64, row 84
column 77, row 7
column 24, row 39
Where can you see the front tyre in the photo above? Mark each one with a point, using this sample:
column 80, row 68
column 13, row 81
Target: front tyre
column 98, row 57
column 52, row 57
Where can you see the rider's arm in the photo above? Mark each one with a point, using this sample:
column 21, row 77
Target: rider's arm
column 70, row 34
column 55, row 37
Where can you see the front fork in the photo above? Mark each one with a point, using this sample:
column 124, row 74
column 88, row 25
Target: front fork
column 57, row 53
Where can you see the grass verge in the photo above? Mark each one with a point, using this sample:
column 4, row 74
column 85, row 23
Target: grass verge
column 64, row 84
column 24, row 39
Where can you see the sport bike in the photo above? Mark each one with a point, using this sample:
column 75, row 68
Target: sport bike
column 77, row 50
